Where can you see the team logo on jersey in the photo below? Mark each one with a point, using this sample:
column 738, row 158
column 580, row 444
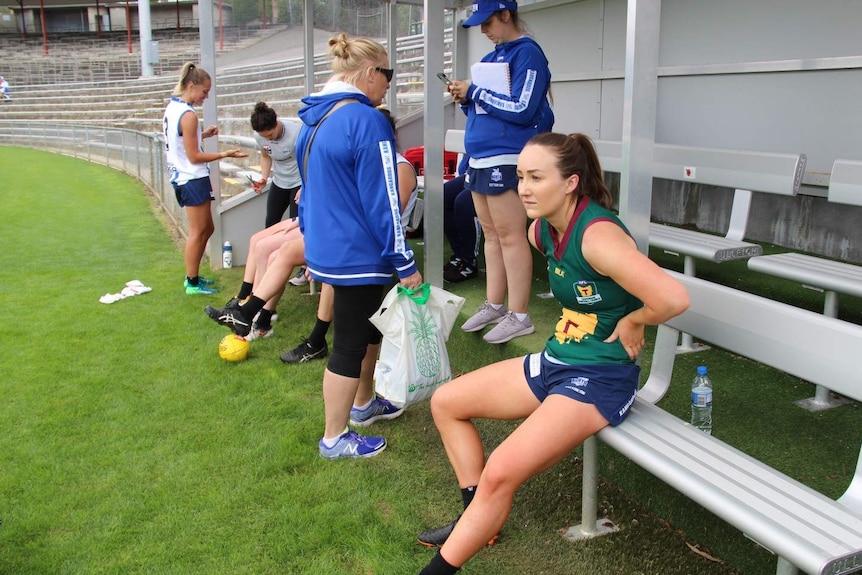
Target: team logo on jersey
column 496, row 175
column 559, row 272
column 586, row 292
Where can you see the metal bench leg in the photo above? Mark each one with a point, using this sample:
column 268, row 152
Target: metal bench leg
column 590, row 527
column 823, row 398
column 785, row 567
column 687, row 344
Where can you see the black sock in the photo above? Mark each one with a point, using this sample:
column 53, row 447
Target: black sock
column 250, row 308
column 317, row 339
column 264, row 319
column 244, row 291
column 193, row 281
column 467, row 495
column 439, row 566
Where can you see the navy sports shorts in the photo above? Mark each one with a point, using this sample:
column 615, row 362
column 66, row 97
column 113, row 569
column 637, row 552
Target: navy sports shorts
column 491, row 181
column 610, row 387
column 194, row 192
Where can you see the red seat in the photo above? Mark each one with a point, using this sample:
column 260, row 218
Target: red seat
column 416, row 156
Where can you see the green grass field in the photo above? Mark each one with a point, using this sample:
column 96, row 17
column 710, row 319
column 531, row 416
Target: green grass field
column 127, row 446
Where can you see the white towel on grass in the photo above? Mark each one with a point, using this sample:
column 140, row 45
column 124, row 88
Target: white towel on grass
column 133, row 287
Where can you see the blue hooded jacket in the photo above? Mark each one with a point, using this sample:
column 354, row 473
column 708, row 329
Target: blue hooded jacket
column 350, row 211
column 509, row 121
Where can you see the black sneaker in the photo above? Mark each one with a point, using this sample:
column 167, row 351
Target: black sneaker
column 304, row 352
column 437, row 537
column 231, row 317
column 458, row 271
column 452, row 263
column 214, row 312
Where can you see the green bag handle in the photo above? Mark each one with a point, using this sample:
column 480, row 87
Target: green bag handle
column 420, row 295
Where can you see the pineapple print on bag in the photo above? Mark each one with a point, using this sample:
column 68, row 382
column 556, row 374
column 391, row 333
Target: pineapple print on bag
column 413, row 359
column 425, row 331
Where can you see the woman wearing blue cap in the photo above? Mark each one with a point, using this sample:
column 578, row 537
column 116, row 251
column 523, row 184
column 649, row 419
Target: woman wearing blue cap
column 506, row 104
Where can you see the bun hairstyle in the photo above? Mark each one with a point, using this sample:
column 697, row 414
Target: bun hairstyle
column 190, row 74
column 576, row 154
column 350, row 58
column 263, row 117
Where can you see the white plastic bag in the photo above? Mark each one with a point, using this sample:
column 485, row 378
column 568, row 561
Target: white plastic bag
column 413, row 359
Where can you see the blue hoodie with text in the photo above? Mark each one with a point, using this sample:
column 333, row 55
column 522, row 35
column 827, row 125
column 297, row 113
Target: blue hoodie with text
column 350, row 211
column 496, row 135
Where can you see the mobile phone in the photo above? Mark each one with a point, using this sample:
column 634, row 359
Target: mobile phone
column 444, row 78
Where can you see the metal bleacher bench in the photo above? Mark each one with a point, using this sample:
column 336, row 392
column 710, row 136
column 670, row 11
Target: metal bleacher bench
column 743, row 170
column 832, row 277
column 808, row 531
column 845, row 187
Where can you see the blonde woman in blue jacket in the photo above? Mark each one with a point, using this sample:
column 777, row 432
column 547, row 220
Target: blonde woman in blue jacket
column 350, row 215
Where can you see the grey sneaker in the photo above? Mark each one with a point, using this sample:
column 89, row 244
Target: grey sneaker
column 509, row 328
column 485, row 316
column 300, row 278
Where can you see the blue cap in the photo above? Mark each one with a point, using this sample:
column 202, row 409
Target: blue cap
column 483, row 10
column 701, row 370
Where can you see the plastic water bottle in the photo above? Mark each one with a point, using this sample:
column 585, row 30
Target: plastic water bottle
column 227, row 255
column 701, row 401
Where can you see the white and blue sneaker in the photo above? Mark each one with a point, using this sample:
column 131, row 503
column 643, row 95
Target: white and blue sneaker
column 351, row 444
column 379, row 409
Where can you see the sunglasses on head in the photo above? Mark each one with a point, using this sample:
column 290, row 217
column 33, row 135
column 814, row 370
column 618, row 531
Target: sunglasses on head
column 388, row 72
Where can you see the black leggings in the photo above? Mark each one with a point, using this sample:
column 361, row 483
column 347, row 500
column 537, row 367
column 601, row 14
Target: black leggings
column 353, row 333
column 278, row 201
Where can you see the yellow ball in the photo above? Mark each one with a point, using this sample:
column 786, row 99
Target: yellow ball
column 233, row 348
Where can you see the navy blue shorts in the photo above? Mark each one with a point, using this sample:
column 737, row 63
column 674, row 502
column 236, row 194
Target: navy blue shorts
column 194, row 192
column 492, row 181
column 610, row 387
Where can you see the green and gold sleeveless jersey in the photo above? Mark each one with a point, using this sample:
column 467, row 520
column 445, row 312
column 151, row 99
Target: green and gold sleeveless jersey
column 592, row 303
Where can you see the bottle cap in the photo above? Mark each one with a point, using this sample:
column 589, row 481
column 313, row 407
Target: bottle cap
column 701, row 370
